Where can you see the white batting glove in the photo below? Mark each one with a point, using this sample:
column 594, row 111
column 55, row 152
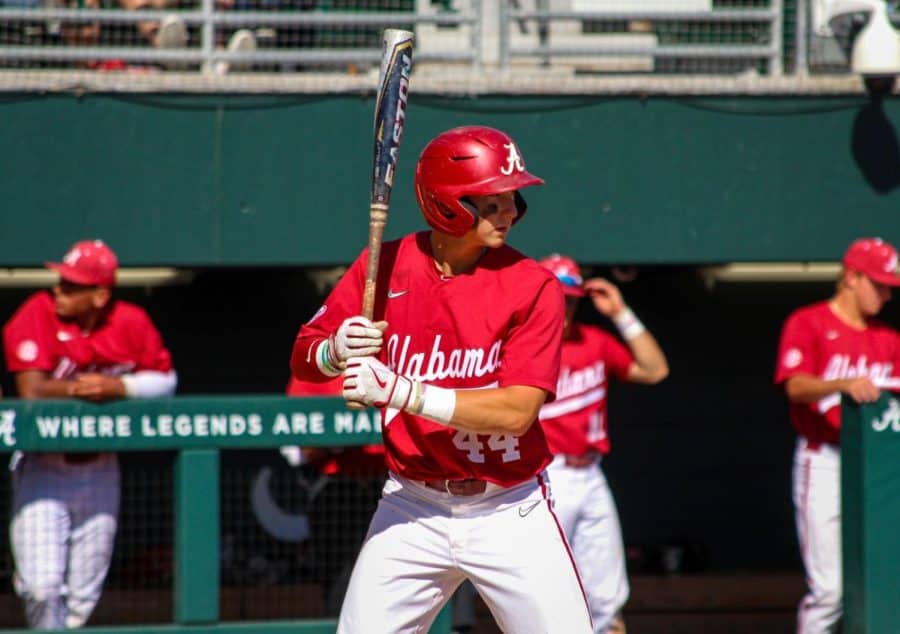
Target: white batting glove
column 367, row 380
column 355, row 337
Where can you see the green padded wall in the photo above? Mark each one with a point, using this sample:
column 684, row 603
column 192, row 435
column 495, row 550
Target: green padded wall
column 242, row 180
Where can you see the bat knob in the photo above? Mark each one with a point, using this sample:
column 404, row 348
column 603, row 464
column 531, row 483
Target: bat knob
column 356, row 405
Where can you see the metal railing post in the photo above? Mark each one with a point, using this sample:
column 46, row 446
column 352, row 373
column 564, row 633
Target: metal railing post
column 776, row 65
column 477, row 32
column 208, row 35
column 801, row 39
column 503, row 35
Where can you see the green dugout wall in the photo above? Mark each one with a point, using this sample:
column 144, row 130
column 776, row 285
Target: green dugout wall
column 243, row 180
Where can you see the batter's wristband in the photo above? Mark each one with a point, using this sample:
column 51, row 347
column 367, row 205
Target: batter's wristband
column 437, row 404
column 323, row 362
column 628, row 324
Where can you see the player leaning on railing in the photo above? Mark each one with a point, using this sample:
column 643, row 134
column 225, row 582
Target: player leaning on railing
column 831, row 350
column 464, row 353
column 82, row 343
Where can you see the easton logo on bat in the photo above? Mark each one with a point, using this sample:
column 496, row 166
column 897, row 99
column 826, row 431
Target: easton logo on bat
column 400, row 117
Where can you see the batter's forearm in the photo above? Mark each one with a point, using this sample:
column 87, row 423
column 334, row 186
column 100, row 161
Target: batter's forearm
column 508, row 410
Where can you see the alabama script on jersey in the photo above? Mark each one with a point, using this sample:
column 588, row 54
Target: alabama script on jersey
column 815, row 341
column 35, row 338
column 496, row 326
column 576, row 421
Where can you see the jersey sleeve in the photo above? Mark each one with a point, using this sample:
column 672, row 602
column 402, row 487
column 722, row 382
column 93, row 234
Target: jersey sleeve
column 531, row 351
column 618, row 358
column 150, row 351
column 28, row 339
column 345, row 300
column 796, row 349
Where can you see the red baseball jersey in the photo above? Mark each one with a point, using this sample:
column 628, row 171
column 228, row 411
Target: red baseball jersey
column 815, row 341
column 576, row 421
column 355, row 462
column 498, row 325
column 35, row 338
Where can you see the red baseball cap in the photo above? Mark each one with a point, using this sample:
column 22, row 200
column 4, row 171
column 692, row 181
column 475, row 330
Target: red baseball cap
column 874, row 258
column 567, row 272
column 89, row 262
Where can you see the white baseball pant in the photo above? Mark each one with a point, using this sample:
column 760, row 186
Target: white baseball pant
column 62, row 533
column 817, row 509
column 423, row 543
column 587, row 512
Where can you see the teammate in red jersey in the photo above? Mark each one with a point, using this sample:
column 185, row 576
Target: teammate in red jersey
column 464, row 352
column 82, row 343
column 828, row 350
column 576, row 429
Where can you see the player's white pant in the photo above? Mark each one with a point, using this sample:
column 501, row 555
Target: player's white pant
column 62, row 534
column 422, row 543
column 817, row 508
column 587, row 512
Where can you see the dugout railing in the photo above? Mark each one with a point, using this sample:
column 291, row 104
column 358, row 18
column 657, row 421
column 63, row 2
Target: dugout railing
column 198, row 429
column 665, row 36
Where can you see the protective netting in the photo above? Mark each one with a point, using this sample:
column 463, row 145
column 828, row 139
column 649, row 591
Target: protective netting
column 462, row 46
column 289, row 537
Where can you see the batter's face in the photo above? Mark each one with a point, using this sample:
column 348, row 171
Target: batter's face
column 496, row 214
column 871, row 296
column 77, row 300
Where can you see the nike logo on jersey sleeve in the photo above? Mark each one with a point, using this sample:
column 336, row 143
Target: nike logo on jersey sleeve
column 392, row 294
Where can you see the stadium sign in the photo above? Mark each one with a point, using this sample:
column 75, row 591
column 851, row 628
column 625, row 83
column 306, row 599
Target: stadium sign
column 185, row 422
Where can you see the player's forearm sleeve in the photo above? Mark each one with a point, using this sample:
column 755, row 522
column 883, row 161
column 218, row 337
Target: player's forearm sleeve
column 150, row 384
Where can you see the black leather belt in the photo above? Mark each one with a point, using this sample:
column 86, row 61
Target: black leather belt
column 458, row 487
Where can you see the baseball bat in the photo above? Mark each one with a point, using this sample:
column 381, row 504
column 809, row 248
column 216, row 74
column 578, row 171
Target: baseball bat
column 390, row 116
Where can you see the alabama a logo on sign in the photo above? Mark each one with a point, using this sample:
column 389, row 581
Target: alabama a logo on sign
column 8, row 427
column 890, row 418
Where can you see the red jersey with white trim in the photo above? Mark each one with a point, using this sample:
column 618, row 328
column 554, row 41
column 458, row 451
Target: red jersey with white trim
column 495, row 326
column 576, row 421
column 815, row 341
column 355, row 462
column 35, row 338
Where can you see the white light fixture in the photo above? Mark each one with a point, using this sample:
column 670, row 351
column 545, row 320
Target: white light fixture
column 772, row 272
column 876, row 50
column 148, row 276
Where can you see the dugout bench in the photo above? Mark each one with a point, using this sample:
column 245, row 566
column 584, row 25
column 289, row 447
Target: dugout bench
column 197, row 428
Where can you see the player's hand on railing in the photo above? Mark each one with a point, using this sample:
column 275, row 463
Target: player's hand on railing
column 97, row 387
column 861, row 390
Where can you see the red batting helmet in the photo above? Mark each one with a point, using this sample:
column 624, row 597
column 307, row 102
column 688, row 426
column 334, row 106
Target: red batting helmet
column 468, row 161
column 567, row 272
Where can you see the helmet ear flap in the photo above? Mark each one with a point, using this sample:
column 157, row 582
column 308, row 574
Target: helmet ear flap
column 521, row 206
column 471, row 208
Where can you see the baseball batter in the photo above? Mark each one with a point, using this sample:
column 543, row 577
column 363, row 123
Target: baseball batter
column 828, row 350
column 78, row 342
column 464, row 353
column 576, row 429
